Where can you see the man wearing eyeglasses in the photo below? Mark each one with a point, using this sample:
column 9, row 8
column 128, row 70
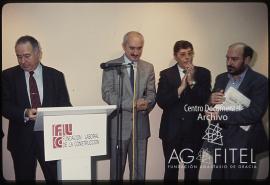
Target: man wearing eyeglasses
column 26, row 87
column 183, row 90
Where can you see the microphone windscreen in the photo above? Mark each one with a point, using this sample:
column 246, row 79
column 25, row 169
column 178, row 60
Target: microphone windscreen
column 103, row 65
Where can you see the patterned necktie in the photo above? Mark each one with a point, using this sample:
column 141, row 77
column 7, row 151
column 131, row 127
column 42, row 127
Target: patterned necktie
column 184, row 71
column 131, row 76
column 34, row 95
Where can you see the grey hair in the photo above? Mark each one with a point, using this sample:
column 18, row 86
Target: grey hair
column 125, row 38
column 34, row 43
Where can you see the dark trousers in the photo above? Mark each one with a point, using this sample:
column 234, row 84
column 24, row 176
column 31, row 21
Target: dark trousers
column 228, row 166
column 25, row 162
column 188, row 148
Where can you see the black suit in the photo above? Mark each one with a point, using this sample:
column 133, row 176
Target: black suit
column 180, row 129
column 255, row 87
column 24, row 144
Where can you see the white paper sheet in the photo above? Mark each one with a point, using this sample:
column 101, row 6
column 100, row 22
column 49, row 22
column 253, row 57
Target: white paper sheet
column 234, row 101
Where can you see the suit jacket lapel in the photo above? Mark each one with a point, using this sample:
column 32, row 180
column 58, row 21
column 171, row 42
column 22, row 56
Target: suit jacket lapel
column 126, row 80
column 246, row 80
column 222, row 83
column 46, row 85
column 140, row 73
column 176, row 76
column 21, row 84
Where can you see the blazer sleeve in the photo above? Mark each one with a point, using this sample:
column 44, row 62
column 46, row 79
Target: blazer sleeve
column 10, row 109
column 150, row 91
column 166, row 94
column 63, row 96
column 258, row 94
column 202, row 89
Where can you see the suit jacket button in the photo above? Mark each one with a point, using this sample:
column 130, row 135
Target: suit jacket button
column 182, row 119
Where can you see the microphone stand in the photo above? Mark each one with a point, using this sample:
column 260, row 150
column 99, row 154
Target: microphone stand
column 119, row 124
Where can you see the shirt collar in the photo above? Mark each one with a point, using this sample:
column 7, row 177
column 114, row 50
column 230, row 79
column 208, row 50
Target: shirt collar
column 180, row 69
column 37, row 71
column 127, row 61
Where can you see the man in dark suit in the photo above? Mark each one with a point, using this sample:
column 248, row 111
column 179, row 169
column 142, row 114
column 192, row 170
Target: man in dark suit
column 181, row 89
column 24, row 88
column 242, row 130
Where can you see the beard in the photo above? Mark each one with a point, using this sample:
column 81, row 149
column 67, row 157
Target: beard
column 234, row 71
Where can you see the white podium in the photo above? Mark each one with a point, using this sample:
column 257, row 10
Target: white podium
column 72, row 135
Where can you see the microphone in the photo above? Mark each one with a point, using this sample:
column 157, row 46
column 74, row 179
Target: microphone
column 112, row 65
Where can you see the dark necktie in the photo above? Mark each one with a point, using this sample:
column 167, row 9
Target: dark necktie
column 131, row 76
column 34, row 95
column 184, row 71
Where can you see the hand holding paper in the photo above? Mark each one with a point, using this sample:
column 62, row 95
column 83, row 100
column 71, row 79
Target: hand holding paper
column 234, row 101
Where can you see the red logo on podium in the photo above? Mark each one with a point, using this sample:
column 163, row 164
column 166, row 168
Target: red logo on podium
column 58, row 131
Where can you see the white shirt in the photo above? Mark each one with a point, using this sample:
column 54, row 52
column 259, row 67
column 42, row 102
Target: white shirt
column 127, row 61
column 181, row 72
column 39, row 80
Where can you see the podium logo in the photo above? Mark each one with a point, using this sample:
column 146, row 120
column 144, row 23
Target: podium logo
column 60, row 130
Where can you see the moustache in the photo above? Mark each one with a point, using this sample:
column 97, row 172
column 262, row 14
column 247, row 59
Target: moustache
column 230, row 67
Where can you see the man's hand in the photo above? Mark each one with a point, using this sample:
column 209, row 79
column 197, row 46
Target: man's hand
column 141, row 104
column 211, row 115
column 217, row 97
column 183, row 85
column 31, row 114
column 190, row 73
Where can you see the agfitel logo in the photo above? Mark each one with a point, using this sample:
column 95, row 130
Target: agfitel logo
column 60, row 130
column 213, row 134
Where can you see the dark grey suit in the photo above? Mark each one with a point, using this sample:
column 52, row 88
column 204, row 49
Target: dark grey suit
column 255, row 87
column 145, row 88
column 24, row 144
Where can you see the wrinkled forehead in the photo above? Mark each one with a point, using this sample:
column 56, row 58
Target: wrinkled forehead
column 134, row 38
column 135, row 42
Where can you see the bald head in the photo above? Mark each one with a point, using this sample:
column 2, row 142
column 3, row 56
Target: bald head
column 238, row 57
column 246, row 50
column 132, row 34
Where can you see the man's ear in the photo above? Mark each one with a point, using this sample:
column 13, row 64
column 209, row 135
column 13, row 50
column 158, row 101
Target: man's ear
column 38, row 53
column 174, row 56
column 247, row 60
